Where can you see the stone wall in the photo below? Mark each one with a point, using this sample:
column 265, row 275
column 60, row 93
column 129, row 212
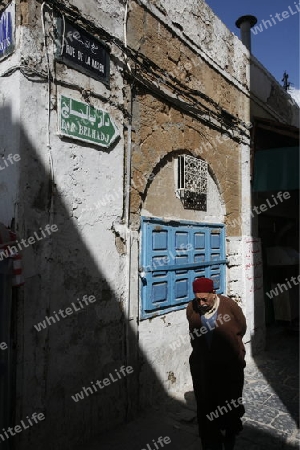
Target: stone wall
column 161, row 128
column 189, row 98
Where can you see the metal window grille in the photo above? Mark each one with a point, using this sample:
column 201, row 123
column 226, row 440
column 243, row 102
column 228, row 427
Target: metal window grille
column 192, row 182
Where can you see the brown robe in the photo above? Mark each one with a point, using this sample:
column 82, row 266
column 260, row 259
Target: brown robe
column 218, row 371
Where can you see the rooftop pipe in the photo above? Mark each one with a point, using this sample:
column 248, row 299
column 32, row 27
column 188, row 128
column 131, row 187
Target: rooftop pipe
column 245, row 23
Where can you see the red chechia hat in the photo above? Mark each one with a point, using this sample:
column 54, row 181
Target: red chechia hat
column 203, row 285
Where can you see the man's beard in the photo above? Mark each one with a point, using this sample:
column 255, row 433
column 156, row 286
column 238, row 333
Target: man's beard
column 204, row 309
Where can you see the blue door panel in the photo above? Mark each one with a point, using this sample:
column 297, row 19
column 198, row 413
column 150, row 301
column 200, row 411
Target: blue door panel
column 181, row 289
column 199, row 273
column 215, row 241
column 216, row 279
column 159, row 261
column 215, row 257
column 160, row 240
column 199, row 257
column 172, row 256
column 181, row 260
column 159, row 273
column 181, row 240
column 160, row 292
column 199, row 241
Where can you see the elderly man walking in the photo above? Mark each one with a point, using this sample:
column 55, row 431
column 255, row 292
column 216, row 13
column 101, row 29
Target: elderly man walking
column 217, row 325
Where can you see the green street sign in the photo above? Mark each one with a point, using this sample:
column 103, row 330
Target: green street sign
column 81, row 121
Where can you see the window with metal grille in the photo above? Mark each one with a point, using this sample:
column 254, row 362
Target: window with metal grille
column 173, row 254
column 192, row 182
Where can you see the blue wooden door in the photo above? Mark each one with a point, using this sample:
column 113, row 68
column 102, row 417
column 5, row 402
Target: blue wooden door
column 173, row 254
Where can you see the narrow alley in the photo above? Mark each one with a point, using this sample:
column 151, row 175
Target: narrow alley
column 271, row 398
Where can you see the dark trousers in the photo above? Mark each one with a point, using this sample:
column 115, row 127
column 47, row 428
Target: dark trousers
column 227, row 444
column 211, row 445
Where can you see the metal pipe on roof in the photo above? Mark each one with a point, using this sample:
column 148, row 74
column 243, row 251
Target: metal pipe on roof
column 245, row 23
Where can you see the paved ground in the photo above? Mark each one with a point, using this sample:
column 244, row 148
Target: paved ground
column 271, row 397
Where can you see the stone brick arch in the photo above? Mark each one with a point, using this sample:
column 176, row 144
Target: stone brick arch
column 158, row 186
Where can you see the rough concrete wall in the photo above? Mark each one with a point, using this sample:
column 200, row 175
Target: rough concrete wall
column 80, row 258
column 108, row 14
column 166, row 342
column 269, row 99
column 9, row 144
column 236, row 285
column 9, row 128
column 244, row 284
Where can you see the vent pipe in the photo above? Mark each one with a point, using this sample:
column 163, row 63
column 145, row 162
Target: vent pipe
column 245, row 23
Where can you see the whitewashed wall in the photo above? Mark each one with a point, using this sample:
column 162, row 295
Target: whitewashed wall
column 82, row 256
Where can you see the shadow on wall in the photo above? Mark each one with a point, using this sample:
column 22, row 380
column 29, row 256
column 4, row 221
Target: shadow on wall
column 89, row 345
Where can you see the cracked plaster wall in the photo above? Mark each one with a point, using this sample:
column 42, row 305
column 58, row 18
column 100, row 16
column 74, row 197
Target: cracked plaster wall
column 81, row 258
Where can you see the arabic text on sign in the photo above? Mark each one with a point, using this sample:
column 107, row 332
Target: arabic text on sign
column 83, row 121
column 81, row 51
